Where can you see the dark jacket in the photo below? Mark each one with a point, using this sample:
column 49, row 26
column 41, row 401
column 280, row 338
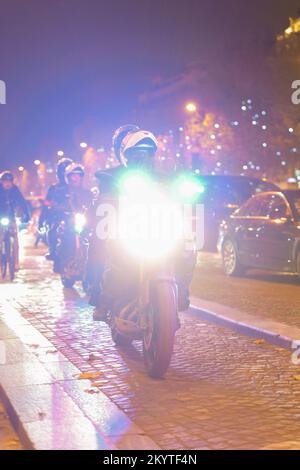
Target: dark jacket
column 12, row 202
column 61, row 199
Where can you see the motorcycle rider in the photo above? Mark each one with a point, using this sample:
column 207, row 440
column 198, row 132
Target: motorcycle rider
column 134, row 148
column 53, row 210
column 11, row 201
column 78, row 198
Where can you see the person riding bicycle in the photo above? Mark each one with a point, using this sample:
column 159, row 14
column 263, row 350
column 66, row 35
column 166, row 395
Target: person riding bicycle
column 12, row 202
column 134, row 148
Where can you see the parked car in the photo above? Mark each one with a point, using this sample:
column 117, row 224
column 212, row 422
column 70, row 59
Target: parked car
column 221, row 196
column 263, row 233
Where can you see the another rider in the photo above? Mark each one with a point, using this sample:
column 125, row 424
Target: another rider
column 133, row 148
column 11, row 203
column 53, row 210
column 78, row 198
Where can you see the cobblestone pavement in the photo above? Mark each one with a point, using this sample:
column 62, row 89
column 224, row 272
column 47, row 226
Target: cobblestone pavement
column 269, row 295
column 222, row 391
column 8, row 438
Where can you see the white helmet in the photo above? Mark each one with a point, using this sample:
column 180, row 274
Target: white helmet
column 139, row 140
column 74, row 169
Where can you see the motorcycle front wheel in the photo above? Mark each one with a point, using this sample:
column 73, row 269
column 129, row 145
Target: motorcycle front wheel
column 158, row 341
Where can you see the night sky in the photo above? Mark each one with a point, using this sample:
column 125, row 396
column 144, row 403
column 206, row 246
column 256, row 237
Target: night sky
column 75, row 69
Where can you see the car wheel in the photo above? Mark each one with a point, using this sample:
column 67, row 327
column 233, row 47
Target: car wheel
column 231, row 264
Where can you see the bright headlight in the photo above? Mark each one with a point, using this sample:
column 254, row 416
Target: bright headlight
column 134, row 183
column 151, row 227
column 4, row 221
column 189, row 188
column 80, row 222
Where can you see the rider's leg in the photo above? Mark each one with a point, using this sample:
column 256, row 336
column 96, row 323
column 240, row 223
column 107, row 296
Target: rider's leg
column 52, row 240
column 95, row 269
column 184, row 270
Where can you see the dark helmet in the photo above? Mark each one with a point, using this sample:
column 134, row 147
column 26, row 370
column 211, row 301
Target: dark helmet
column 74, row 169
column 119, row 135
column 61, row 168
column 7, row 176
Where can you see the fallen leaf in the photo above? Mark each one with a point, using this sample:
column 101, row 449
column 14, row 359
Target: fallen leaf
column 259, row 341
column 297, row 377
column 52, row 352
column 34, row 346
column 11, row 442
column 92, row 357
column 89, row 375
column 97, row 384
column 91, row 391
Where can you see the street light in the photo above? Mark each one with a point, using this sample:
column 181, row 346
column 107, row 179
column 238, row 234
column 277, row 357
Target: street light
column 37, row 162
column 83, row 145
column 60, row 153
column 190, row 107
column 21, row 168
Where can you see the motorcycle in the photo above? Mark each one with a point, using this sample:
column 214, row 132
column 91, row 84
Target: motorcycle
column 139, row 288
column 71, row 249
column 7, row 241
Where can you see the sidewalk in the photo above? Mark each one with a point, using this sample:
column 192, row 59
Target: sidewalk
column 51, row 403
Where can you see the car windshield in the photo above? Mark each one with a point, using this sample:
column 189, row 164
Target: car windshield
column 235, row 191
